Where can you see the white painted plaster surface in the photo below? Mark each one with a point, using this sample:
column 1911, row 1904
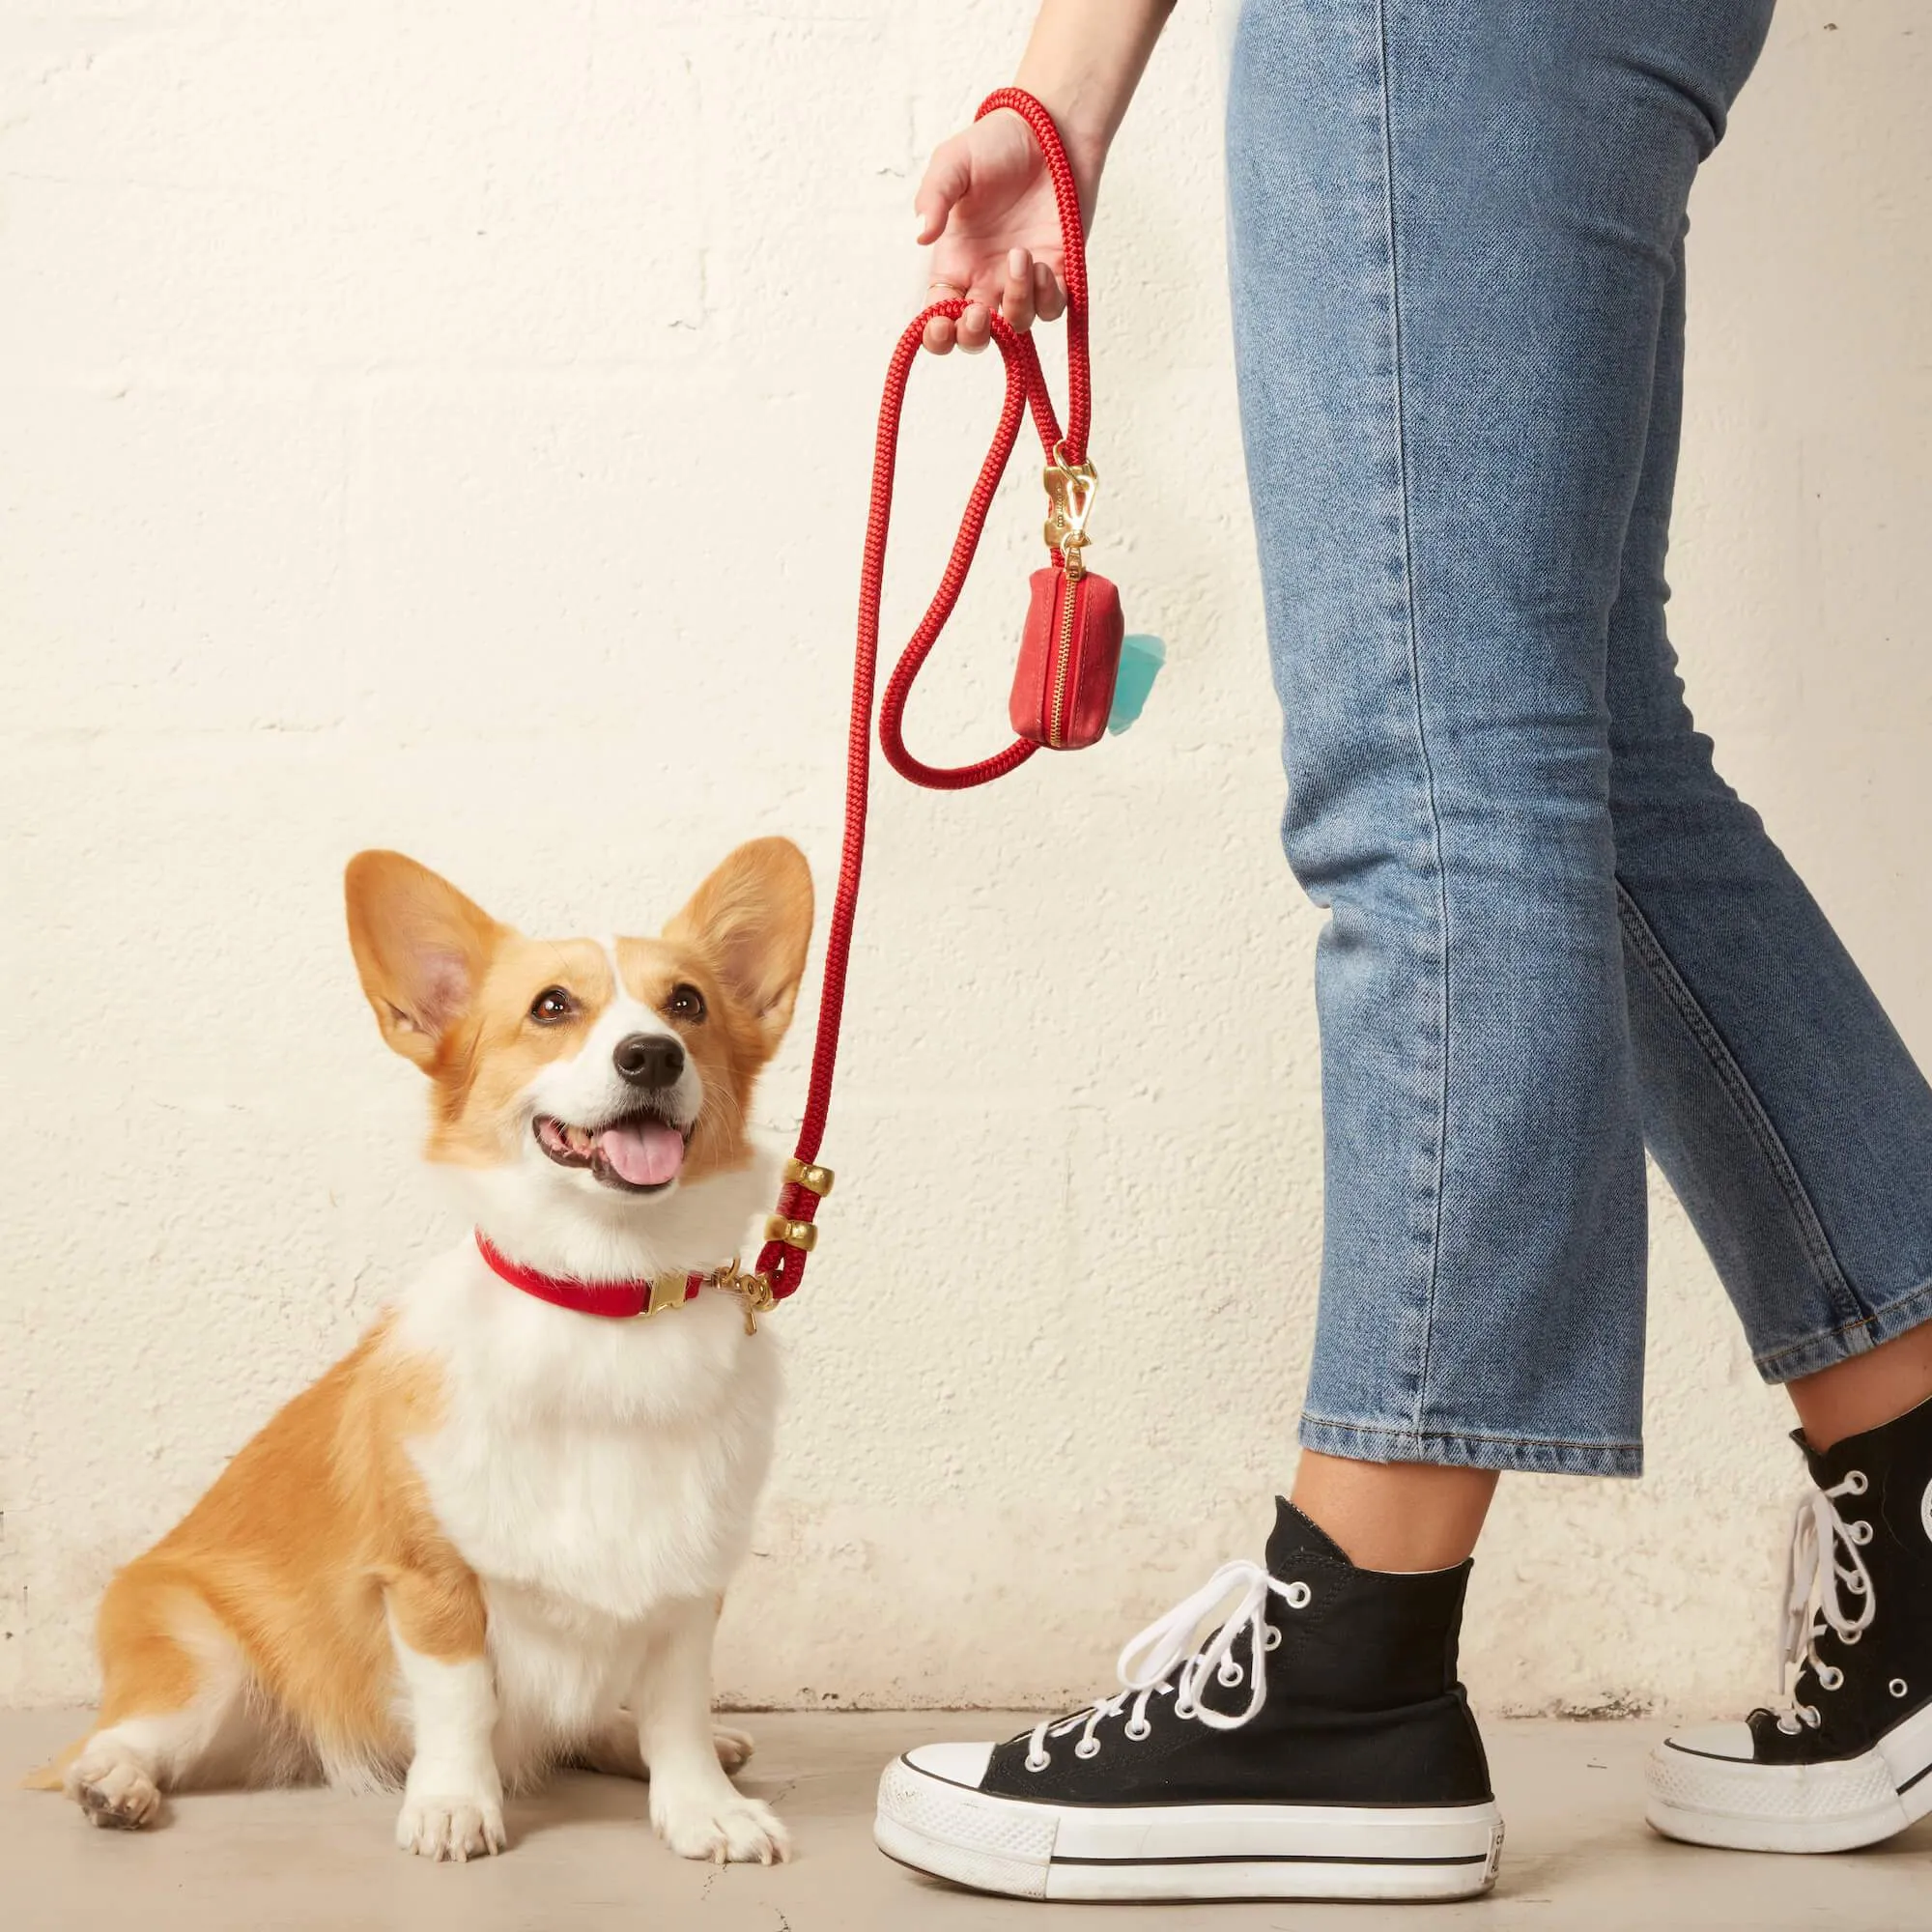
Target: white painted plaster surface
column 448, row 427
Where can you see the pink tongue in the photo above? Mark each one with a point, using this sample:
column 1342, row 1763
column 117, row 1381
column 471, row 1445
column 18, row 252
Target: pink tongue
column 647, row 1154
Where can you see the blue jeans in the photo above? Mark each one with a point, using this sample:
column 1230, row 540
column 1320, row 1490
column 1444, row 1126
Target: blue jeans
column 1555, row 932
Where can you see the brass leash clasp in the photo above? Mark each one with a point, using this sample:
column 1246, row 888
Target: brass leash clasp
column 1069, row 502
column 752, row 1289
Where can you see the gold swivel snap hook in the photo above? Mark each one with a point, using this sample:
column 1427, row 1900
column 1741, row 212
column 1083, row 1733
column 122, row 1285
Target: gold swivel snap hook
column 1069, row 502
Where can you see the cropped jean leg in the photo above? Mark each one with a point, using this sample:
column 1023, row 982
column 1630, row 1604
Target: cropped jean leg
column 1777, row 1096
column 1455, row 246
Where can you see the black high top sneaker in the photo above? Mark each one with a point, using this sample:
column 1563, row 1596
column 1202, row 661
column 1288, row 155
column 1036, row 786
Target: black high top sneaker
column 1850, row 1761
column 1315, row 1745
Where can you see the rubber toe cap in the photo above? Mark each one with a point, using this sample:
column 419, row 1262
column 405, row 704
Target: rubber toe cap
column 1732, row 1740
column 957, row 1764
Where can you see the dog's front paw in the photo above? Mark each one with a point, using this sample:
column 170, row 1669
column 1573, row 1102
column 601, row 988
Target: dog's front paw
column 461, row 1828
column 734, row 1745
column 113, row 1788
column 727, row 1827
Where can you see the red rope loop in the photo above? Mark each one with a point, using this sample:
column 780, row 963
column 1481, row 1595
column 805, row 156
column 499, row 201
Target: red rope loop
column 1026, row 390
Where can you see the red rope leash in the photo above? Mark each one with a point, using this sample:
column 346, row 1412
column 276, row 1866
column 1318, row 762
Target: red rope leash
column 781, row 1261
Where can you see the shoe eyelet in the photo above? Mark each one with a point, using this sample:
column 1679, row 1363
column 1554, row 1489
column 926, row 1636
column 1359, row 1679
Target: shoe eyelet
column 1297, row 1596
column 1230, row 1675
column 1039, row 1763
column 1788, row 1726
column 1139, row 1728
column 1855, row 1484
column 1898, row 1687
column 1809, row 1714
column 1850, row 1637
column 1086, row 1748
column 1830, row 1677
column 1859, row 1532
column 1272, row 1642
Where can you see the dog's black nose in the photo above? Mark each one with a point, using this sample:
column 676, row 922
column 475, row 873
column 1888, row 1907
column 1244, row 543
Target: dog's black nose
column 649, row 1058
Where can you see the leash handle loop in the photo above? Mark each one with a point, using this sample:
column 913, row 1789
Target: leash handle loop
column 782, row 1263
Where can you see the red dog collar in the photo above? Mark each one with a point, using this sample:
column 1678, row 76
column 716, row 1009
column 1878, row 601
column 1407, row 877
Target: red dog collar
column 626, row 1301
column 619, row 1299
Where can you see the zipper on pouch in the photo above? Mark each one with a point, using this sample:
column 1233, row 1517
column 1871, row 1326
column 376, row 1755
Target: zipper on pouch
column 1056, row 727
column 1070, row 497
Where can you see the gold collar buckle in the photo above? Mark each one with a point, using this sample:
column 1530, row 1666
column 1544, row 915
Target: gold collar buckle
column 666, row 1290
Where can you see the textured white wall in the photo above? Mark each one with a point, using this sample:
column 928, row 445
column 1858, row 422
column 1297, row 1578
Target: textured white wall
column 446, row 426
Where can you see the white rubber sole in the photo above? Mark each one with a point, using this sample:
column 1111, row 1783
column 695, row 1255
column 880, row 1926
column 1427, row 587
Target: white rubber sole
column 1835, row 1806
column 1185, row 1851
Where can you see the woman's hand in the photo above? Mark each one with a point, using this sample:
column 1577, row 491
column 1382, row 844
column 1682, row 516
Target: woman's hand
column 987, row 205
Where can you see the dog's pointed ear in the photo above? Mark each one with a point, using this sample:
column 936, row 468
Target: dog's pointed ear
column 752, row 919
column 420, row 948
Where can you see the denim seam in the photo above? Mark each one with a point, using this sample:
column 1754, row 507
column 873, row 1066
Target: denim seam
column 1403, row 484
column 1449, row 1449
column 1462, row 1434
column 1818, row 1341
column 1809, row 1230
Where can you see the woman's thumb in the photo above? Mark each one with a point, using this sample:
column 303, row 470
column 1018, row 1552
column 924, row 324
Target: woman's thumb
column 947, row 176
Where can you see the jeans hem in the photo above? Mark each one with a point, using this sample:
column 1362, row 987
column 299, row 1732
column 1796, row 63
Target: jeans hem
column 1463, row 1449
column 1829, row 1347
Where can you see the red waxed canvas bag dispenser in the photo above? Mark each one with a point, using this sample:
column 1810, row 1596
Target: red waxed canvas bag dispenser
column 1063, row 689
column 1070, row 650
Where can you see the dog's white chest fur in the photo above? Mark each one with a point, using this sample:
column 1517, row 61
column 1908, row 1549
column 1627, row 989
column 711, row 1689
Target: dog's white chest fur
column 591, row 1472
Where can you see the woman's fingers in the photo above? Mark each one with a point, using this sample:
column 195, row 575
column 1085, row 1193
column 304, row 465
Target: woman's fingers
column 1028, row 290
column 1016, row 296
column 1050, row 299
column 940, row 331
column 974, row 328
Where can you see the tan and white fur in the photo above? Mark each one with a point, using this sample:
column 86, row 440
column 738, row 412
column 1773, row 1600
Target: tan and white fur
column 494, row 1537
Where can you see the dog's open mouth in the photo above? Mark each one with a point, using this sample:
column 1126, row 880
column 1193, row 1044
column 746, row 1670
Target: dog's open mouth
column 639, row 1153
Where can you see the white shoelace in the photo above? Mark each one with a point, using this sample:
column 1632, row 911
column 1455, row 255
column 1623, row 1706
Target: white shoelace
column 1160, row 1659
column 1827, row 1564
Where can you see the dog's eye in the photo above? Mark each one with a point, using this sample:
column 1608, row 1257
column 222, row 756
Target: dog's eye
column 551, row 1006
column 685, row 1003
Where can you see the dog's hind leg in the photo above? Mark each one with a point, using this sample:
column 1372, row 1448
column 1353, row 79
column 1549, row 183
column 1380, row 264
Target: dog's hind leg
column 613, row 1748
column 175, row 1705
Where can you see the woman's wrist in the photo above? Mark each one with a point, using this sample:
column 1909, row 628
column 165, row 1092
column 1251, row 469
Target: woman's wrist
column 1086, row 115
column 1085, row 144
column 1082, row 64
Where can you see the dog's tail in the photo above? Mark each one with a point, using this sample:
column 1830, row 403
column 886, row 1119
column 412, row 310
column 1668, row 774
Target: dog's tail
column 50, row 1776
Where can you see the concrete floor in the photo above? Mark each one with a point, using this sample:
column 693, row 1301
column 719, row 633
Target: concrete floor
column 581, row 1856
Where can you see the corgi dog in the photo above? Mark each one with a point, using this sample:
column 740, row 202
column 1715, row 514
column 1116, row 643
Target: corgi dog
column 494, row 1537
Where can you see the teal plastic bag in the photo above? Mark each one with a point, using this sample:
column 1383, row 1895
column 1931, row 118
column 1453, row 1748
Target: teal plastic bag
column 1141, row 660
